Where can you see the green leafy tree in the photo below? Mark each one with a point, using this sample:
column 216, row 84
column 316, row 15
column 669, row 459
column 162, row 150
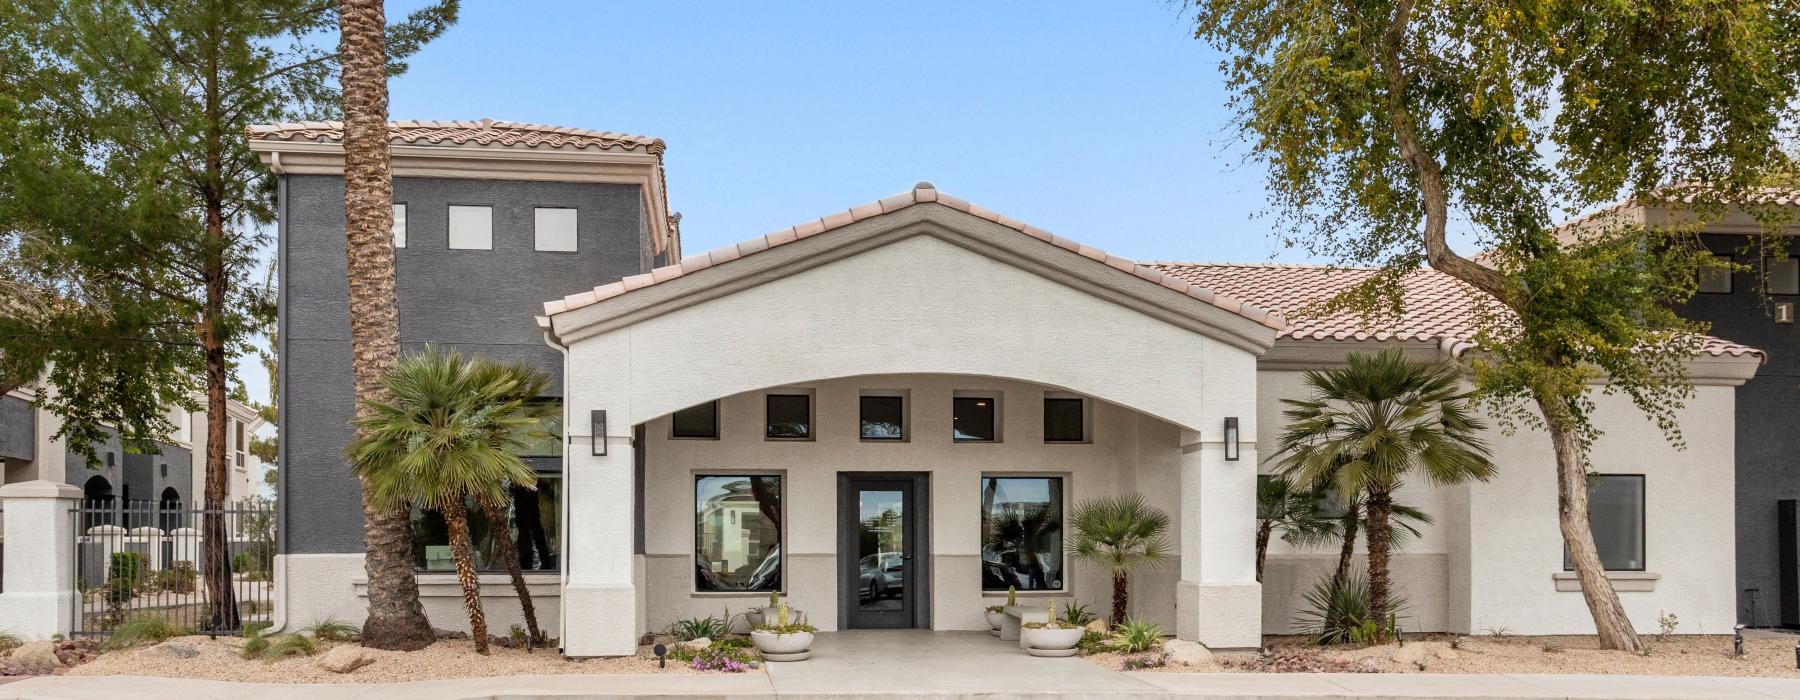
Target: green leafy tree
column 134, row 209
column 1370, row 425
column 1119, row 534
column 1382, row 121
column 448, row 437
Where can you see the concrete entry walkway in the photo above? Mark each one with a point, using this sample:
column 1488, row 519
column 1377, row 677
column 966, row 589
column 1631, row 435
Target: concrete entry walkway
column 862, row 663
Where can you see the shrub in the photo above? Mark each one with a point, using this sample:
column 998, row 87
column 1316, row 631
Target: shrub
column 254, row 560
column 1137, row 635
column 141, row 630
column 255, row 629
column 128, row 566
column 290, row 645
column 697, row 627
column 1148, row 659
column 1077, row 614
column 178, row 578
column 9, row 641
column 723, row 659
column 333, row 630
column 1340, row 615
column 1095, row 643
column 255, row 647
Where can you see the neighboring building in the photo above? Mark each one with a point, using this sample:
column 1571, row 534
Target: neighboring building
column 888, row 413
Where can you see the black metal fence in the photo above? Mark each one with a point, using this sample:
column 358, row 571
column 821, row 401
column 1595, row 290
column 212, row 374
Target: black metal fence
column 209, row 570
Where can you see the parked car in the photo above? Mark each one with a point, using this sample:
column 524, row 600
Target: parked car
column 882, row 575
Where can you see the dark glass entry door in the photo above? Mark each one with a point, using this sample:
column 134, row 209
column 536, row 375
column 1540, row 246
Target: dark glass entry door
column 882, row 553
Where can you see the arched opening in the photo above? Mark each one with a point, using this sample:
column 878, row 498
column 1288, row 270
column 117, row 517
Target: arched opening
column 169, row 504
column 97, row 500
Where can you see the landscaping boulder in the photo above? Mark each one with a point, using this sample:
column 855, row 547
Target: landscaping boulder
column 178, row 650
column 1097, row 626
column 1188, row 653
column 344, row 658
column 35, row 658
column 695, row 644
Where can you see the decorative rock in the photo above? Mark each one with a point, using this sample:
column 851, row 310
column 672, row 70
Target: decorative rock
column 36, row 658
column 177, row 650
column 1188, row 653
column 696, row 644
column 1097, row 626
column 344, row 658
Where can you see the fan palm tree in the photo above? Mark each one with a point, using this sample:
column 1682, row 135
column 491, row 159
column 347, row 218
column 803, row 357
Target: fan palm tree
column 1280, row 505
column 1119, row 533
column 450, row 434
column 1370, row 424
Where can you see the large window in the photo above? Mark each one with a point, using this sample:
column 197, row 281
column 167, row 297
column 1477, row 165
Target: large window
column 1022, row 533
column 1616, row 515
column 532, row 522
column 789, row 416
column 972, row 419
column 737, row 533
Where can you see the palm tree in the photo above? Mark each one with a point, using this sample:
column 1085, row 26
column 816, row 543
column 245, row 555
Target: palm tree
column 1352, row 519
column 1293, row 511
column 450, row 435
column 396, row 619
column 1119, row 533
column 1370, row 424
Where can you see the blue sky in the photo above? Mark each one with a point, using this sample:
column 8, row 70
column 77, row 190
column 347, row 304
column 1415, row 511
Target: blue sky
column 1103, row 122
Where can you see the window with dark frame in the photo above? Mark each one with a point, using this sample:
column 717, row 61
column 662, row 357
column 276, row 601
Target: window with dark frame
column 1065, row 420
column 533, row 524
column 972, row 419
column 883, row 418
column 546, row 438
column 1716, row 280
column 737, row 533
column 1616, row 516
column 1784, row 276
column 696, row 422
column 1021, row 533
column 789, row 416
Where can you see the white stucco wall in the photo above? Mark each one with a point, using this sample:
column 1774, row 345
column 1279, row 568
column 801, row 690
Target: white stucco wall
column 1488, row 561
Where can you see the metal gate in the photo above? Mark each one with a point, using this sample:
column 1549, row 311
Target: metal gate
column 208, row 570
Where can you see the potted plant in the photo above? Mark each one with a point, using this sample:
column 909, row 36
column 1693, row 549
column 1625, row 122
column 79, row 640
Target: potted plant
column 767, row 613
column 996, row 614
column 1052, row 638
column 784, row 640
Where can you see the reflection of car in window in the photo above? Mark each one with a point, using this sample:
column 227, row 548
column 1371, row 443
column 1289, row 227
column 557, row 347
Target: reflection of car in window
column 996, row 576
column 767, row 576
column 881, row 574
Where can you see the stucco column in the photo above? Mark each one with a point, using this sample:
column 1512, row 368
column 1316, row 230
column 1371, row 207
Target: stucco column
column 39, row 588
column 600, row 602
column 1218, row 602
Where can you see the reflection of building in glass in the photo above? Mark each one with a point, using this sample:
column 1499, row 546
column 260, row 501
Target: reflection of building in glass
column 737, row 542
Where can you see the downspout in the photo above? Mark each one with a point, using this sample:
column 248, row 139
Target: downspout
column 278, row 620
column 562, row 533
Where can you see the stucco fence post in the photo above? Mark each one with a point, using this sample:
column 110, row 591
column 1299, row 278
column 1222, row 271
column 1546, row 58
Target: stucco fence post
column 39, row 587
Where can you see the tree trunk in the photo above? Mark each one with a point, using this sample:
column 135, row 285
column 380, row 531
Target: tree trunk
column 221, row 595
column 1346, row 551
column 1121, row 596
column 497, row 520
column 1381, row 540
column 456, row 520
column 396, row 619
column 1262, row 547
column 1611, row 623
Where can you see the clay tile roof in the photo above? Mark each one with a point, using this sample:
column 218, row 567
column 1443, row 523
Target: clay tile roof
column 486, row 132
column 922, row 193
column 1438, row 307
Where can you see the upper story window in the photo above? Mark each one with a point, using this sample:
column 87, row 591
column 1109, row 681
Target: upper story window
column 1065, row 419
column 238, row 447
column 1616, row 516
column 399, row 225
column 696, row 422
column 555, row 229
column 471, row 227
column 972, row 419
column 1784, row 276
column 883, row 418
column 789, row 416
column 1716, row 280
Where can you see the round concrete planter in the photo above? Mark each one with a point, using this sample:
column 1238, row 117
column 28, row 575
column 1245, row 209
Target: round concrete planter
column 994, row 619
column 1051, row 642
column 794, row 646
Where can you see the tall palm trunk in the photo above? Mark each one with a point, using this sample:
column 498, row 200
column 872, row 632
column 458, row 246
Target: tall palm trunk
column 396, row 619
column 1263, row 532
column 456, row 520
column 1347, row 550
column 1381, row 541
column 496, row 518
column 1121, row 587
column 1611, row 623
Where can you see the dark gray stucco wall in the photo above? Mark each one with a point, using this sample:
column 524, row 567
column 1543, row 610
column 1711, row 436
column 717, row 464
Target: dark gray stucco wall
column 150, row 474
column 1768, row 430
column 478, row 301
column 78, row 470
column 18, row 424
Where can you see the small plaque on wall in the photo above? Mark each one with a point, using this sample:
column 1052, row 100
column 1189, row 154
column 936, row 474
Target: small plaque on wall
column 1784, row 312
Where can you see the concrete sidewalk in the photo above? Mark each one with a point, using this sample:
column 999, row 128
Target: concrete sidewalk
column 1240, row 686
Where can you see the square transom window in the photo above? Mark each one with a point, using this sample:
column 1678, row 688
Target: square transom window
column 1716, row 280
column 555, row 229
column 789, row 417
column 883, row 418
column 972, row 419
column 1064, row 420
column 471, row 228
column 1784, row 276
column 700, row 421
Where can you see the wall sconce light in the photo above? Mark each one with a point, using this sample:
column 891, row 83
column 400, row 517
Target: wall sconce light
column 599, row 432
column 1231, row 440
